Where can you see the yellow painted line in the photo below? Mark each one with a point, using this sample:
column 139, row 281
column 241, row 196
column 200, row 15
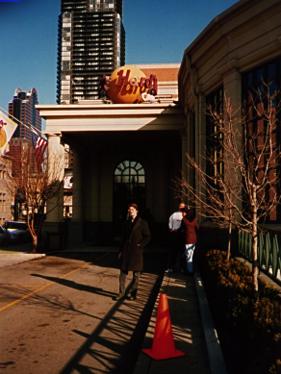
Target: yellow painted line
column 17, row 301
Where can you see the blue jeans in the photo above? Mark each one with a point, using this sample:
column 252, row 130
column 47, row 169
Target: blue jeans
column 188, row 254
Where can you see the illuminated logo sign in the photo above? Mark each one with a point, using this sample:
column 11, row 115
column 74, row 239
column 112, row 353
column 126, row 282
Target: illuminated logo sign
column 128, row 83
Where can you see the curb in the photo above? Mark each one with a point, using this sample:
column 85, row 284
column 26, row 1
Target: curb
column 14, row 258
column 215, row 356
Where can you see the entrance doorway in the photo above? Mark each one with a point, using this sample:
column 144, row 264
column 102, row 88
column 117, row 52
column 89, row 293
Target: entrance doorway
column 129, row 186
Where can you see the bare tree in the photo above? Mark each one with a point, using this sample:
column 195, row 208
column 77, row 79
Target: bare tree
column 36, row 185
column 244, row 193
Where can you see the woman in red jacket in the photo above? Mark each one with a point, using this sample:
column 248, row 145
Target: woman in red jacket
column 189, row 230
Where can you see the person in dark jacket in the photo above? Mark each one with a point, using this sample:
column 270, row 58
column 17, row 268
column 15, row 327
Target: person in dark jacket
column 136, row 236
column 189, row 230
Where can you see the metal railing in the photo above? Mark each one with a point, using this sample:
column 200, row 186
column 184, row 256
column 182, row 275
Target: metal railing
column 269, row 251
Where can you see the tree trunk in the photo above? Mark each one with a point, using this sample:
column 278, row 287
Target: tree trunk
column 33, row 234
column 34, row 243
column 255, row 269
column 229, row 241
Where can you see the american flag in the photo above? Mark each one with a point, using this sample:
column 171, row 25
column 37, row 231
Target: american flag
column 40, row 144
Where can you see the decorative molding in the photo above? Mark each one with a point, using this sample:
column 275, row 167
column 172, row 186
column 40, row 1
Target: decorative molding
column 111, row 117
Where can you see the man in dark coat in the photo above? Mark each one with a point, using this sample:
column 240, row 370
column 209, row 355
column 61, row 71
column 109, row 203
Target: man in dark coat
column 136, row 237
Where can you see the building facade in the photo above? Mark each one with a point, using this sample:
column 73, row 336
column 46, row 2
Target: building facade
column 23, row 111
column 22, row 107
column 91, row 45
column 126, row 152
column 6, row 190
column 236, row 57
column 121, row 153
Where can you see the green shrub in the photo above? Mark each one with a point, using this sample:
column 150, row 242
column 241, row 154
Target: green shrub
column 249, row 325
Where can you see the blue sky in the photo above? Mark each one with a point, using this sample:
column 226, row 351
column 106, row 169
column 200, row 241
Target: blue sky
column 155, row 33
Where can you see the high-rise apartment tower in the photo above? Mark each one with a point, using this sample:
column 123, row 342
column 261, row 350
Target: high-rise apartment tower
column 91, row 45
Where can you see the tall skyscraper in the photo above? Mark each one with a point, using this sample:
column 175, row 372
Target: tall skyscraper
column 91, row 45
column 22, row 107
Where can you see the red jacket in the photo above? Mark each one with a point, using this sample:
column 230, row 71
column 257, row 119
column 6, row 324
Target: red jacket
column 189, row 229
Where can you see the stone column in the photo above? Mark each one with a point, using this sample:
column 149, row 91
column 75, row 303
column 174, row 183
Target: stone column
column 200, row 131
column 75, row 226
column 76, row 188
column 200, row 141
column 233, row 91
column 184, row 151
column 56, row 175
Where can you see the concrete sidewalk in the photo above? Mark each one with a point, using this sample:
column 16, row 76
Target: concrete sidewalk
column 193, row 331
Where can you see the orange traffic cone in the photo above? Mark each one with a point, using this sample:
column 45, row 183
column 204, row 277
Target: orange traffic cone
column 163, row 346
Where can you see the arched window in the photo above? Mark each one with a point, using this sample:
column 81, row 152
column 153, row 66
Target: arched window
column 129, row 186
column 130, row 173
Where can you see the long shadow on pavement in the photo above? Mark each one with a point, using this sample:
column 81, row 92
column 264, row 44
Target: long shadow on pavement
column 113, row 355
column 77, row 286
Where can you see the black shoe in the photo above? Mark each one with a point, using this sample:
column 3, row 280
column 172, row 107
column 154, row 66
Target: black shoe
column 120, row 296
column 169, row 271
column 132, row 295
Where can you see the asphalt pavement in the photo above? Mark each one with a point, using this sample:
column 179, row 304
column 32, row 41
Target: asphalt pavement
column 186, row 328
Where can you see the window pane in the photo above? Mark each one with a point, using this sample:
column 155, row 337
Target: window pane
column 125, row 179
column 130, row 172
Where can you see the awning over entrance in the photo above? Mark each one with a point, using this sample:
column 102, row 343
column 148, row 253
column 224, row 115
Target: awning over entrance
column 112, row 117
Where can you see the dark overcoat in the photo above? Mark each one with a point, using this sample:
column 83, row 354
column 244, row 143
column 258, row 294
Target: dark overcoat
column 135, row 237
